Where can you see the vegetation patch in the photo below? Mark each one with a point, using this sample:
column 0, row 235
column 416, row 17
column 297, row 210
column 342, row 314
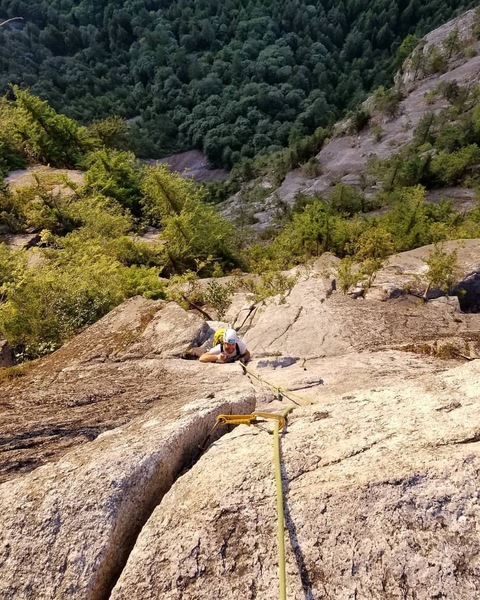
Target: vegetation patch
column 11, row 373
column 439, row 349
column 91, row 256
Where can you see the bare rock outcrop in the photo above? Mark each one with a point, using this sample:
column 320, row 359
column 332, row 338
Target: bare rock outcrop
column 312, row 322
column 192, row 164
column 107, row 492
column 381, row 502
column 102, row 379
column 26, row 177
column 407, row 272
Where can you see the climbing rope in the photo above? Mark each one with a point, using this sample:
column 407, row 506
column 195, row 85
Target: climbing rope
column 280, row 509
column 281, row 392
column 280, row 422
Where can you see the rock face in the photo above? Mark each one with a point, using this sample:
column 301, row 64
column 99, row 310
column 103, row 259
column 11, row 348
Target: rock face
column 68, row 526
column 313, row 322
column 113, row 417
column 26, row 177
column 105, row 377
column 381, row 502
column 194, row 165
column 106, row 492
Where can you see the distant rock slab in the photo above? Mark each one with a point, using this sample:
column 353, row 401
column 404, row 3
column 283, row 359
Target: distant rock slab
column 192, row 164
column 344, row 157
column 20, row 240
column 25, row 177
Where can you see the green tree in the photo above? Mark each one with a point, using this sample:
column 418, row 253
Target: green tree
column 49, row 137
column 12, row 263
column 346, row 200
column 192, row 230
column 12, row 154
column 48, row 304
column 399, row 170
column 114, row 174
column 441, row 268
column 375, row 243
column 449, row 168
column 111, row 132
column 452, row 43
column 310, row 233
column 405, row 50
column 386, row 100
column 407, row 220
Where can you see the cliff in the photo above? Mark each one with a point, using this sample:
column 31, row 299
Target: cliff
column 114, row 487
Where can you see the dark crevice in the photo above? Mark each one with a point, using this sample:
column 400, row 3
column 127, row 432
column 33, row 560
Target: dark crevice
column 30, row 439
column 468, row 293
column 289, row 326
column 474, row 439
column 129, row 526
column 471, row 440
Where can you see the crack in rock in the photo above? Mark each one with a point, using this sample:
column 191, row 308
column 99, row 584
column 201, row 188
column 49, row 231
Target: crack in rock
column 289, row 326
column 357, row 452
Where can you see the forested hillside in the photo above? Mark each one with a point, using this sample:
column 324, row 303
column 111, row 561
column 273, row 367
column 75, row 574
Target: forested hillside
column 89, row 253
column 230, row 78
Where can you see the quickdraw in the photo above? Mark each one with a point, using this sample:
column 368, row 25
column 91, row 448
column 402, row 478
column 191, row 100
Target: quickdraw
column 252, row 419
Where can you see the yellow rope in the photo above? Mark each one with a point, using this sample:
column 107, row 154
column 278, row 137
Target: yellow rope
column 280, row 391
column 280, row 512
column 280, row 422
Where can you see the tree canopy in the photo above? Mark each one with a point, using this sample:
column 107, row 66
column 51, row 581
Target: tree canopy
column 232, row 79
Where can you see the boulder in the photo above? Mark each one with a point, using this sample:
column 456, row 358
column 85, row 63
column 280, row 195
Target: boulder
column 6, row 354
column 468, row 291
column 406, row 272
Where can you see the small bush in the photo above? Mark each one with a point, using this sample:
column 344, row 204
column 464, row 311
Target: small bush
column 436, row 62
column 10, row 373
column 219, row 297
column 377, row 131
column 360, row 120
column 348, row 275
column 441, row 269
column 269, row 284
column 387, row 101
column 312, row 168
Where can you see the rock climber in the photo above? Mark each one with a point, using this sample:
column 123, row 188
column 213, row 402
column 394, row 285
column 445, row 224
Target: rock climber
column 230, row 349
